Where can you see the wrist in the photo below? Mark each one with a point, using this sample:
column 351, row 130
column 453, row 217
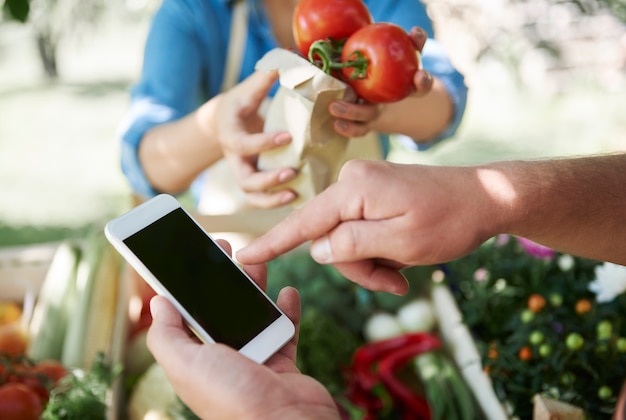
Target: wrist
column 207, row 122
column 501, row 207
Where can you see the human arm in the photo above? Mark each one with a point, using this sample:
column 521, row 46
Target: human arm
column 418, row 215
column 423, row 115
column 216, row 381
column 228, row 125
column 423, row 118
column 173, row 131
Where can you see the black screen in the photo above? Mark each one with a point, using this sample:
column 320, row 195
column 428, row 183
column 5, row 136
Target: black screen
column 203, row 279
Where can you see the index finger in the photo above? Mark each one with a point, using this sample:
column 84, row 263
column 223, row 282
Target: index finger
column 313, row 220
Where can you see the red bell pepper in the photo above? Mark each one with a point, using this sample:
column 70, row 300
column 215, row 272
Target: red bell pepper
column 377, row 363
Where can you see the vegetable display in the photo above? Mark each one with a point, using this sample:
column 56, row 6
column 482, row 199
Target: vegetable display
column 25, row 386
column 381, row 356
column 377, row 59
column 67, row 346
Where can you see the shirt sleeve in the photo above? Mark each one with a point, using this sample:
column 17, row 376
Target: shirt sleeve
column 171, row 80
column 410, row 13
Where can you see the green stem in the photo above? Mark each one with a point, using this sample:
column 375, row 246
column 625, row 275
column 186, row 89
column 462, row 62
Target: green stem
column 327, row 56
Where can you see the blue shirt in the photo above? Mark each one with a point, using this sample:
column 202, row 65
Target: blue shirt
column 184, row 61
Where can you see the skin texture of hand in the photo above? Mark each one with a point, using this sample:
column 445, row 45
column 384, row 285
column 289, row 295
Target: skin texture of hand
column 429, row 102
column 240, row 131
column 380, row 216
column 228, row 125
column 217, row 382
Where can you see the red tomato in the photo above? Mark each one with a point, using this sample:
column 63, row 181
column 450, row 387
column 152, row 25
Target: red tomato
column 40, row 377
column 51, row 369
column 391, row 62
column 19, row 402
column 13, row 339
column 3, row 373
column 327, row 19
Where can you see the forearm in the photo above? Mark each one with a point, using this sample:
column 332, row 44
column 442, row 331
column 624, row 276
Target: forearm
column 421, row 118
column 574, row 205
column 174, row 154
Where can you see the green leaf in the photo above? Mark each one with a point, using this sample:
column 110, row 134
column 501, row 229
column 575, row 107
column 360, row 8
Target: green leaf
column 17, row 9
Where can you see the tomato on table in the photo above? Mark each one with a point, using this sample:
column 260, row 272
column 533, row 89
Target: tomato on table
column 42, row 377
column 19, row 402
column 390, row 62
column 51, row 369
column 335, row 20
column 39, row 377
column 13, row 339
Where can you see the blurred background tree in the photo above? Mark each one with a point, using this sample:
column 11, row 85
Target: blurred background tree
column 547, row 34
column 52, row 20
column 539, row 41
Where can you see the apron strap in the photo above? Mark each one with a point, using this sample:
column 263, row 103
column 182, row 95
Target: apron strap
column 236, row 44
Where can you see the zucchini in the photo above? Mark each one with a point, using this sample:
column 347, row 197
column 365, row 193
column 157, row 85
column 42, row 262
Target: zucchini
column 55, row 304
column 77, row 335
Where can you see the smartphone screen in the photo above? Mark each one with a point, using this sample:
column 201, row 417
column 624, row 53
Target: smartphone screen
column 207, row 283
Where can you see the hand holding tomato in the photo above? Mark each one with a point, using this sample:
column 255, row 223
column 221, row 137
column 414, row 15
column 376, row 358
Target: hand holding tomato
column 383, row 62
column 354, row 119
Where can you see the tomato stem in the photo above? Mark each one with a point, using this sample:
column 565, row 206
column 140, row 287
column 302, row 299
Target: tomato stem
column 327, row 56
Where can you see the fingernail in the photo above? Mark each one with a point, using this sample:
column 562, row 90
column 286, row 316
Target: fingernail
column 288, row 197
column 154, row 308
column 341, row 125
column 337, row 108
column 320, row 250
column 287, row 175
column 282, row 138
column 427, row 81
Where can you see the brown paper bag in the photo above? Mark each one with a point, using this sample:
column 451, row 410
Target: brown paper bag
column 300, row 106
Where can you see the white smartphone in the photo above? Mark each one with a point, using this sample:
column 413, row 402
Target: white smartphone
column 179, row 260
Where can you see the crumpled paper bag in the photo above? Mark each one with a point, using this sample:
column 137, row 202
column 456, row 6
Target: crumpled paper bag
column 300, row 106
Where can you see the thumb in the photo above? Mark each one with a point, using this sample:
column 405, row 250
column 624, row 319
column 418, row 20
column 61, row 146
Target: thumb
column 356, row 240
column 163, row 312
column 167, row 331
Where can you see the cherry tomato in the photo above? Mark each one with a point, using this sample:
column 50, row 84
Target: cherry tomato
column 536, row 337
column 527, row 316
column 391, row 62
column 19, row 402
column 583, row 306
column 336, row 20
column 536, row 302
column 51, row 369
column 574, row 341
column 13, row 339
column 605, row 392
column 525, row 353
column 40, row 377
column 545, row 350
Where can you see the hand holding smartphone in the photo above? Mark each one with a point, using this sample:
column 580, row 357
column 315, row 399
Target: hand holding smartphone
column 179, row 260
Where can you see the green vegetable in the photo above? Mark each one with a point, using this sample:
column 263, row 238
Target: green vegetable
column 325, row 347
column 447, row 393
column 82, row 394
column 55, row 304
